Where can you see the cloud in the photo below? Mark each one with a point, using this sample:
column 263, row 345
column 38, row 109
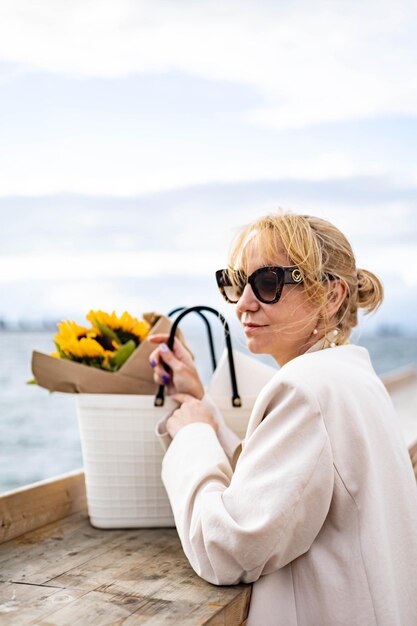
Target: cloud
column 187, row 232
column 63, row 254
column 311, row 62
column 372, row 211
column 125, row 168
column 99, row 264
column 397, row 262
column 37, row 299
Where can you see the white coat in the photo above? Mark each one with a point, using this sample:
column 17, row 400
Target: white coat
column 320, row 512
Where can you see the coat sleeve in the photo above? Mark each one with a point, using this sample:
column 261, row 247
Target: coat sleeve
column 237, row 526
column 229, row 441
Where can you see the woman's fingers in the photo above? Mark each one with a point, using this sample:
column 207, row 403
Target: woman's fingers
column 190, row 412
column 179, row 350
column 160, row 355
column 161, row 338
column 182, row 376
column 174, row 359
column 168, row 356
column 183, row 397
column 161, row 376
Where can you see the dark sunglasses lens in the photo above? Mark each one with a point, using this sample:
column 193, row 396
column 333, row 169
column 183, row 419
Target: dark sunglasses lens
column 268, row 285
column 232, row 293
column 231, row 284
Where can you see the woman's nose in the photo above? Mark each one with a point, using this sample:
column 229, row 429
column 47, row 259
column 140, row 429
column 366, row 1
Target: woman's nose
column 247, row 301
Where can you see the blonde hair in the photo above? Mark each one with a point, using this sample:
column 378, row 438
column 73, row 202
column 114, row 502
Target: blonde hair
column 322, row 252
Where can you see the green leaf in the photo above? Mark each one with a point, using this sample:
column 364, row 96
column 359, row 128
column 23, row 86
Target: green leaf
column 107, row 331
column 122, row 355
column 61, row 353
column 31, row 382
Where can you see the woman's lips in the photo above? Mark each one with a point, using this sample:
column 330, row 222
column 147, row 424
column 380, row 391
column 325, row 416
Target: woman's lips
column 250, row 329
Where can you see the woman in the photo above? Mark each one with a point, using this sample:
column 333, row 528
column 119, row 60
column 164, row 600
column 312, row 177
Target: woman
column 320, row 511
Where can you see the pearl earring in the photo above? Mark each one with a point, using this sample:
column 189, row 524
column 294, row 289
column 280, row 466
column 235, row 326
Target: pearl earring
column 335, row 333
column 315, row 331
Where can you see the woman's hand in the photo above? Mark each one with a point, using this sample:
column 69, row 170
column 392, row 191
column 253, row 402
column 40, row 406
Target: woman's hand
column 189, row 412
column 184, row 377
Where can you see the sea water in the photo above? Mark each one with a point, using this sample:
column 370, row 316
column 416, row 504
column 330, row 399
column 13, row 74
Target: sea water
column 38, row 430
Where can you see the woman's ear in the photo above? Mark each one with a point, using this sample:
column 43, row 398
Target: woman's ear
column 335, row 296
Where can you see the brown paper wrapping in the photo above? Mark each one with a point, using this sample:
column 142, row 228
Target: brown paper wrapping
column 134, row 377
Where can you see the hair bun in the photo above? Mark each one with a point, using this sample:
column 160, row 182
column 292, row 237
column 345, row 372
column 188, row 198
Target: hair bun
column 370, row 291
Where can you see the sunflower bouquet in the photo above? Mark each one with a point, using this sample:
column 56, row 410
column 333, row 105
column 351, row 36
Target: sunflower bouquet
column 107, row 344
column 109, row 356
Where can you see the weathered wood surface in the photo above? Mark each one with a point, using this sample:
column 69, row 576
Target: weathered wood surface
column 68, row 572
column 36, row 505
column 402, row 387
column 413, row 456
column 399, row 378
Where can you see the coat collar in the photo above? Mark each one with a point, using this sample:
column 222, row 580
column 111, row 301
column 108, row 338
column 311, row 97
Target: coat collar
column 259, row 410
column 328, row 341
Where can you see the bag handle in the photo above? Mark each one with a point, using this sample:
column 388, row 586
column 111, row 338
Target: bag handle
column 236, row 401
column 209, row 333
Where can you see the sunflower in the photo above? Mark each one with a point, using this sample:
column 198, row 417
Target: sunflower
column 107, row 345
column 68, row 329
column 77, row 343
column 119, row 329
column 69, row 334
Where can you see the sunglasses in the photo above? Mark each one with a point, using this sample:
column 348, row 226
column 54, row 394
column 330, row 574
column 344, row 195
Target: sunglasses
column 266, row 282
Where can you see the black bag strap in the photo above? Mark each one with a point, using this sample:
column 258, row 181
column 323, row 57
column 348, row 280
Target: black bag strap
column 236, row 401
column 209, row 333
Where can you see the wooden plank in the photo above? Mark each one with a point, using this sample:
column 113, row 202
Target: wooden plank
column 45, row 605
column 54, row 549
column 94, row 607
column 172, row 613
column 123, row 566
column 33, row 541
column 103, row 609
column 138, row 576
column 20, row 604
column 36, row 505
column 151, row 569
column 413, row 456
column 398, row 378
column 402, row 388
column 236, row 612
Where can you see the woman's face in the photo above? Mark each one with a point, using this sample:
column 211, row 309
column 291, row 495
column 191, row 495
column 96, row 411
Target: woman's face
column 283, row 329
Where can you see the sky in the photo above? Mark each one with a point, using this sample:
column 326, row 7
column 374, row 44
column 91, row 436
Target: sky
column 137, row 136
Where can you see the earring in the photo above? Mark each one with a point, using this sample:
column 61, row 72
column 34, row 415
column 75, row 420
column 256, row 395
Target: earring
column 335, row 333
column 315, row 331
